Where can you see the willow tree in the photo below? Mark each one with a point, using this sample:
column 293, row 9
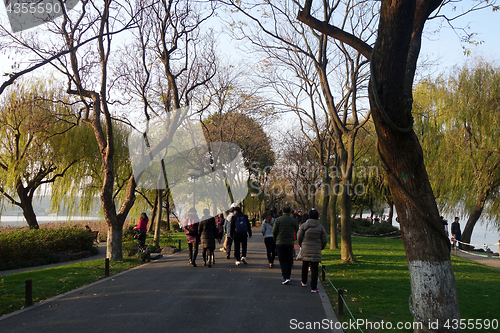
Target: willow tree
column 40, row 142
column 458, row 125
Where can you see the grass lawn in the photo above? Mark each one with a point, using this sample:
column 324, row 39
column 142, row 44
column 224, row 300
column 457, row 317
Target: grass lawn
column 50, row 282
column 378, row 286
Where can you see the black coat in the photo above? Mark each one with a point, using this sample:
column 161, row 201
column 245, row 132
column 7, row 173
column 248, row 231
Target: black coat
column 208, row 233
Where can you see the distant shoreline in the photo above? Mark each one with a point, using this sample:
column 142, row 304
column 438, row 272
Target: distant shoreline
column 19, row 221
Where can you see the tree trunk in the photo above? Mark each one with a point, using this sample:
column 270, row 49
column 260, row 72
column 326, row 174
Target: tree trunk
column 332, row 207
column 326, row 200
column 433, row 291
column 114, row 249
column 346, row 253
column 153, row 213
column 393, row 62
column 158, row 221
column 26, row 205
column 391, row 212
column 473, row 218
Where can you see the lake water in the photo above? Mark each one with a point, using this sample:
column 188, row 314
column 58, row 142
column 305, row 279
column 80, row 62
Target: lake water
column 483, row 233
column 19, row 221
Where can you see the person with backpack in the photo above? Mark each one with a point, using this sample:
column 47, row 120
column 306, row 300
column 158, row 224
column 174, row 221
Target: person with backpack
column 240, row 230
column 312, row 239
column 284, row 230
column 267, row 232
column 190, row 225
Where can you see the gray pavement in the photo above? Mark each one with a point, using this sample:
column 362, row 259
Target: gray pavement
column 479, row 258
column 168, row 295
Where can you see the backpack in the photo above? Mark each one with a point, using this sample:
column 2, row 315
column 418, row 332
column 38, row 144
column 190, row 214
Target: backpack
column 240, row 225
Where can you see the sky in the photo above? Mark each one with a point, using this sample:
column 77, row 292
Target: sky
column 445, row 48
column 441, row 45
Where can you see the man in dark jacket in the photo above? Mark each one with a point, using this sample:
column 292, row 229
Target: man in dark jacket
column 455, row 230
column 240, row 230
column 284, row 230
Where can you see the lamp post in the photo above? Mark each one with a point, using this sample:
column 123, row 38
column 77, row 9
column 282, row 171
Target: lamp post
column 193, row 173
column 253, row 195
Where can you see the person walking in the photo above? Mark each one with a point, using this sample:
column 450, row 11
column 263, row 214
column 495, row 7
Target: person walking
column 208, row 232
column 227, row 226
column 312, row 238
column 267, row 232
column 240, row 230
column 219, row 224
column 457, row 233
column 284, row 230
column 143, row 228
column 190, row 224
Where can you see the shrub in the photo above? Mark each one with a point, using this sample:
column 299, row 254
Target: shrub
column 364, row 227
column 24, row 247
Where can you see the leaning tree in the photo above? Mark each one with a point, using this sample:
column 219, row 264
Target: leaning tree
column 393, row 62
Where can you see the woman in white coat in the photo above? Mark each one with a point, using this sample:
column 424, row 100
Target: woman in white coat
column 312, row 239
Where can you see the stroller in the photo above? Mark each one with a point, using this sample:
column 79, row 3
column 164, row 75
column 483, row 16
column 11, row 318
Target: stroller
column 141, row 239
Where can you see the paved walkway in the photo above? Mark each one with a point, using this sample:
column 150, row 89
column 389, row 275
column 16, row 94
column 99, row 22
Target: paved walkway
column 482, row 258
column 168, row 295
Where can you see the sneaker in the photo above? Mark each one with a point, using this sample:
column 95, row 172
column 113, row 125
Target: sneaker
column 285, row 281
column 222, row 249
column 238, row 263
column 314, row 290
column 303, row 284
column 244, row 259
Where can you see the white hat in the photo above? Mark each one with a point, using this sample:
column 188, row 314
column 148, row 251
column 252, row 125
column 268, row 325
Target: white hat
column 233, row 205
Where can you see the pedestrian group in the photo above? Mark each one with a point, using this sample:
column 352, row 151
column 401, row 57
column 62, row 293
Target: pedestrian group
column 282, row 232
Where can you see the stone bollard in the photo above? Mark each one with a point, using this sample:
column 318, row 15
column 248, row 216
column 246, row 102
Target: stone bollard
column 106, row 267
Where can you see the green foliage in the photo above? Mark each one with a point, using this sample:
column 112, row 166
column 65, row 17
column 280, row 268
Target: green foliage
column 37, row 144
column 365, row 227
column 244, row 131
column 23, row 247
column 456, row 119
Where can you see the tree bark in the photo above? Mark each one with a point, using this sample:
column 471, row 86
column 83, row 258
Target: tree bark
column 393, row 61
column 26, row 204
column 473, row 218
column 427, row 248
column 332, row 208
column 158, row 221
column 326, row 200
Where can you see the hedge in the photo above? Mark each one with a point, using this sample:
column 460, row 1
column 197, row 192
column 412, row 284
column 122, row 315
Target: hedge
column 24, row 247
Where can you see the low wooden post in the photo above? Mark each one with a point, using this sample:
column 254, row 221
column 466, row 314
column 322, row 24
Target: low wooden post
column 106, row 267
column 341, row 301
column 323, row 273
column 179, row 244
column 28, row 293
